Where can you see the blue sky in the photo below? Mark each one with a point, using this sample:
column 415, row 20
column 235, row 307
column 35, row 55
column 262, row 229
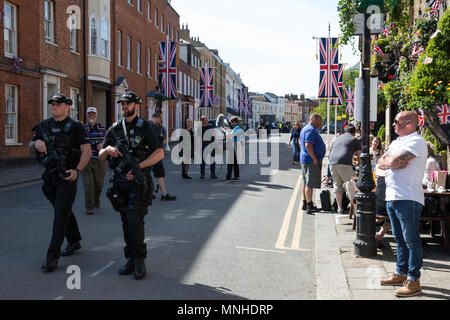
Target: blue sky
column 269, row 42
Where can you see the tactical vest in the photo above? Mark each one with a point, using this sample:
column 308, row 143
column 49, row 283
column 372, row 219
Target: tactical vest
column 60, row 139
column 134, row 140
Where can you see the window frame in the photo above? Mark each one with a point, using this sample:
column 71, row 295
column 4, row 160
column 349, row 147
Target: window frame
column 94, row 19
column 119, row 48
column 138, row 57
column 128, row 52
column 12, row 31
column 50, row 38
column 75, row 104
column 15, row 140
column 149, row 11
column 104, row 24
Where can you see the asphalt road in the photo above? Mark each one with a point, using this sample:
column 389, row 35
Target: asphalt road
column 218, row 240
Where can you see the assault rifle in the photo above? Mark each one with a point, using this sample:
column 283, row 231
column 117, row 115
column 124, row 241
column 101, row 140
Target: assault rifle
column 52, row 155
column 127, row 159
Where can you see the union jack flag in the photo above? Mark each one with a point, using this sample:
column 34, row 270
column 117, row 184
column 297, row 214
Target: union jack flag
column 443, row 113
column 250, row 108
column 216, row 100
column 421, row 118
column 340, row 81
column 415, row 51
column 241, row 100
column 386, row 30
column 377, row 50
column 329, row 63
column 427, row 60
column 435, row 9
column 168, row 69
column 206, row 87
column 350, row 100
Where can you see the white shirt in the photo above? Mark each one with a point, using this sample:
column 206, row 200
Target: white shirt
column 406, row 184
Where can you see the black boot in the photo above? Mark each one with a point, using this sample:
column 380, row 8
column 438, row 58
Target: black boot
column 127, row 268
column 304, row 205
column 49, row 266
column 71, row 248
column 139, row 269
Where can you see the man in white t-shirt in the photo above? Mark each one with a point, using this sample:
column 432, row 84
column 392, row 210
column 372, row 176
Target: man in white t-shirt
column 404, row 163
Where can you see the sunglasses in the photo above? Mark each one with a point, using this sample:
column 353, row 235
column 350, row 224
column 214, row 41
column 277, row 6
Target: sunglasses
column 398, row 121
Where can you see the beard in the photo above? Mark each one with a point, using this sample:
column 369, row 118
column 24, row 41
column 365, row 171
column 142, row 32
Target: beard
column 128, row 113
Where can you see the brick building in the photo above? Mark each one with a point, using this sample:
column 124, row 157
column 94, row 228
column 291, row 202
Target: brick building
column 38, row 58
column 92, row 54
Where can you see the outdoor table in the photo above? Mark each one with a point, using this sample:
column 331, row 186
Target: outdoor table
column 443, row 197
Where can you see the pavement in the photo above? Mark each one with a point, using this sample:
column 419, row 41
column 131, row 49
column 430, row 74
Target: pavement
column 340, row 274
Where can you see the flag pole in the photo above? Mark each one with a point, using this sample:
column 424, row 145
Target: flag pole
column 328, row 84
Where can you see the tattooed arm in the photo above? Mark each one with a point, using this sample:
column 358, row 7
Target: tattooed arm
column 399, row 161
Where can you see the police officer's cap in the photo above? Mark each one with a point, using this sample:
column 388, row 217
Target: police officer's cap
column 60, row 98
column 130, row 97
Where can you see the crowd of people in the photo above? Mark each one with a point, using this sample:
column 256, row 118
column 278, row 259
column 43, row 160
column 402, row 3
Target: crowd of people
column 402, row 171
column 133, row 148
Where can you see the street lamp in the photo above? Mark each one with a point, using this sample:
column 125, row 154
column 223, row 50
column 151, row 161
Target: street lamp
column 365, row 245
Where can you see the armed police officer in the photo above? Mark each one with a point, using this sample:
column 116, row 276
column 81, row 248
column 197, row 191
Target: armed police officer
column 132, row 148
column 61, row 147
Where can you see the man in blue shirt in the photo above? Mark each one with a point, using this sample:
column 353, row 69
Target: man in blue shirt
column 312, row 151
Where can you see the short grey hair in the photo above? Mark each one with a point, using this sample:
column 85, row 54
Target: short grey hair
column 314, row 116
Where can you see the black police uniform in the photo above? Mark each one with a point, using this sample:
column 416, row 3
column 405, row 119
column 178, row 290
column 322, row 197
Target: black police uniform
column 128, row 197
column 158, row 168
column 65, row 137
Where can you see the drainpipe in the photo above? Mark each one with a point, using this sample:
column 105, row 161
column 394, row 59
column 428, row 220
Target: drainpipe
column 85, row 11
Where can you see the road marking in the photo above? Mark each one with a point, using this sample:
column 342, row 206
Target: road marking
column 298, row 226
column 257, row 249
column 287, row 216
column 165, row 240
column 59, row 298
column 102, row 269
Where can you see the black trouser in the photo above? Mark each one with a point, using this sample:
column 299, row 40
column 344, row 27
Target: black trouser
column 203, row 165
column 61, row 193
column 132, row 213
column 234, row 165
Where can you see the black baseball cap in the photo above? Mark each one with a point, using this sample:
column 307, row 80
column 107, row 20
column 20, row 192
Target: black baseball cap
column 130, row 97
column 60, row 98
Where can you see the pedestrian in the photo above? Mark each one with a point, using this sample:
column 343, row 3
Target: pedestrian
column 312, row 151
column 341, row 161
column 61, row 147
column 162, row 134
column 295, row 138
column 376, row 150
column 94, row 173
column 268, row 129
column 190, row 155
column 158, row 168
column 129, row 194
column 404, row 162
column 431, row 166
column 237, row 136
column 205, row 143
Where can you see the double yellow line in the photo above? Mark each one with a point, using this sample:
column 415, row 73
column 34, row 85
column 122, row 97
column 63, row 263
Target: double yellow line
column 281, row 241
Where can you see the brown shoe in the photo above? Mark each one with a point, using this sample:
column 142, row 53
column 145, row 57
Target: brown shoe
column 409, row 289
column 395, row 280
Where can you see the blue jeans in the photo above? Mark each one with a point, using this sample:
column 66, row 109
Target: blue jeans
column 296, row 152
column 404, row 216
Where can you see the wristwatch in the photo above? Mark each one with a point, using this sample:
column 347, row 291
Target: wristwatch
column 78, row 171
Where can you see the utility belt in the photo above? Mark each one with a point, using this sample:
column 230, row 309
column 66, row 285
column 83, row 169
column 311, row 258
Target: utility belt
column 119, row 192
